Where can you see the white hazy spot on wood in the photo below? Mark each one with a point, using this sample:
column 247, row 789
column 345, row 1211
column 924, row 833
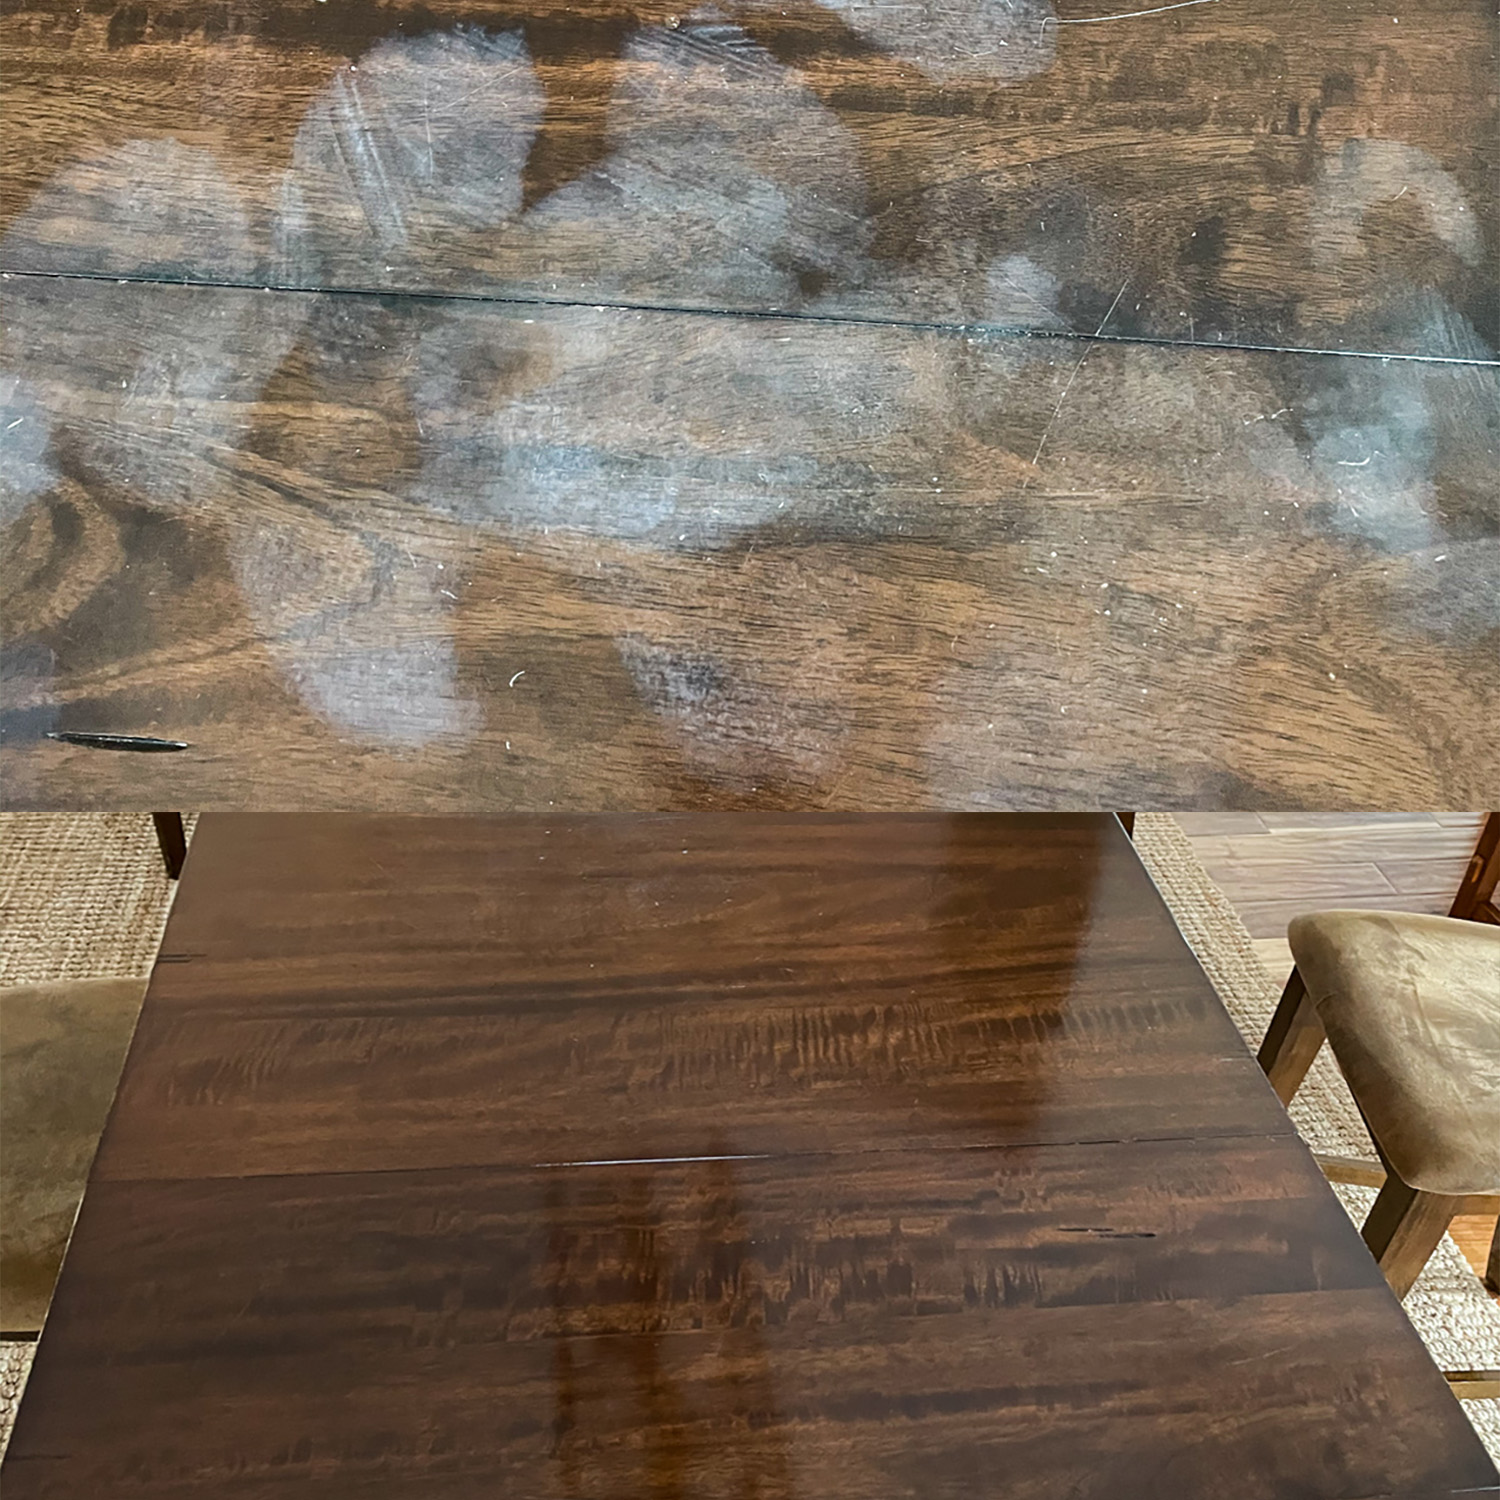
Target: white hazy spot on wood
column 324, row 600
column 167, row 388
column 169, row 209
column 1366, row 174
column 427, row 134
column 401, row 695
column 1371, row 436
column 733, row 730
column 726, row 180
column 722, row 426
column 1453, row 594
column 952, row 39
column 25, row 465
column 1151, row 456
column 1019, row 293
column 1400, row 454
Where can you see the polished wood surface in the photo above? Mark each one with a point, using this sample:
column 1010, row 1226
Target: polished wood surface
column 454, row 1285
column 404, row 554
column 1256, row 171
column 834, row 986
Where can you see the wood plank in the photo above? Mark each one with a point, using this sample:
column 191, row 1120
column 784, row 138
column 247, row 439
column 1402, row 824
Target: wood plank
column 1267, row 919
column 1473, row 1234
column 1354, row 847
column 1208, row 826
column 1436, row 880
column 1298, row 821
column 1260, row 173
column 1303, row 880
column 882, row 1324
column 1329, row 864
column 1275, row 954
column 346, row 993
column 397, row 554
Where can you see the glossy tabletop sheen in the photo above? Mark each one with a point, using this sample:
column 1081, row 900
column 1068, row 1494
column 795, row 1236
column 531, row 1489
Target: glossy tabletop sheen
column 708, row 1156
column 809, row 404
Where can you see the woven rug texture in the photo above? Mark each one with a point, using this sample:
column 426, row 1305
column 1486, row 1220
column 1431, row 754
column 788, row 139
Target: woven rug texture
column 82, row 896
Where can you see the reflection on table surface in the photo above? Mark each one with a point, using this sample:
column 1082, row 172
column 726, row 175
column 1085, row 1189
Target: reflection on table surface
column 707, row 1156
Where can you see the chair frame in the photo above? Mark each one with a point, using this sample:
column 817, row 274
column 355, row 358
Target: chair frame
column 1405, row 1223
column 1475, row 901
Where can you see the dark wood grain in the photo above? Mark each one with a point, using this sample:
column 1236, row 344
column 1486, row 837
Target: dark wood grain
column 1048, row 1322
column 1163, row 1289
column 1266, row 172
column 665, row 987
column 1150, row 1299
column 405, row 555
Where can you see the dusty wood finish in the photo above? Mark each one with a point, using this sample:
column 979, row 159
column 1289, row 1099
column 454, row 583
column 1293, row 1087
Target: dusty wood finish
column 423, row 556
column 1268, row 172
column 667, row 987
column 1080, row 1317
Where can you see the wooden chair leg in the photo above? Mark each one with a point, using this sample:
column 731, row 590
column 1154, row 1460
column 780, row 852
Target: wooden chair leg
column 1492, row 1271
column 1404, row 1228
column 1475, row 900
column 172, row 839
column 1292, row 1040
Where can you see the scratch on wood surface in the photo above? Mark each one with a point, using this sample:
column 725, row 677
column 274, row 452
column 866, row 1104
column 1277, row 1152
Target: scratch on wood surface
column 1046, row 431
column 1130, row 15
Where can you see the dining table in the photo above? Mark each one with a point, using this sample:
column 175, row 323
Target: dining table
column 693, row 1155
column 466, row 406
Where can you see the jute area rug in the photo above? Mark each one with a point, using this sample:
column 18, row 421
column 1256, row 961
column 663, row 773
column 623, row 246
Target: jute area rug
column 83, row 896
column 1449, row 1307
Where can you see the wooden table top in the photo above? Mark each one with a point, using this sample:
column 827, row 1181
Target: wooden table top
column 1248, row 171
column 708, row 1156
column 786, row 405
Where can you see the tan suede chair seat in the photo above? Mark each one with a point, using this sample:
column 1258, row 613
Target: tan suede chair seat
column 1411, row 1006
column 62, row 1046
